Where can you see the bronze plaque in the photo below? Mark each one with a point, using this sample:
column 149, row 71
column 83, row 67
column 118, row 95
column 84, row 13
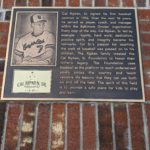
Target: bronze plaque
column 80, row 54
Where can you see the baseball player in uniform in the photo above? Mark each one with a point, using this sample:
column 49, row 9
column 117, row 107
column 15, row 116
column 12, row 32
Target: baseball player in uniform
column 36, row 47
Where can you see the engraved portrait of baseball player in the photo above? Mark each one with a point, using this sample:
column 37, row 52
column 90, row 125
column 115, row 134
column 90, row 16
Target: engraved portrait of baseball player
column 36, row 47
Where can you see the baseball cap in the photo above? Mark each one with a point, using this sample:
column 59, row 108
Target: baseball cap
column 37, row 18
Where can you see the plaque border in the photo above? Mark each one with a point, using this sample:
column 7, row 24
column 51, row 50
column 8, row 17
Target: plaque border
column 90, row 100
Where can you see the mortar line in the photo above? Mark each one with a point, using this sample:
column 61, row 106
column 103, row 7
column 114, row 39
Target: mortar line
column 121, row 3
column 134, row 3
column 93, row 3
column 113, row 126
column 81, row 126
column 145, row 127
column 20, row 127
column 40, row 2
column 106, row 3
column 129, row 128
column 27, row 2
column 14, row 2
column 5, row 127
column 80, row 5
column 67, row 3
column 50, row 128
column 2, row 3
column 35, row 127
column 66, row 120
column 97, row 127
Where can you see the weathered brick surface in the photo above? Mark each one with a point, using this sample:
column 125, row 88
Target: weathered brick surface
column 128, row 3
column 21, row 3
column 2, row 52
column 43, row 127
column 87, row 3
column 4, row 27
column 121, row 127
column 147, row 93
column 147, row 109
column 73, row 127
column 137, row 130
column 145, row 38
column 2, row 62
column 58, row 129
column 12, row 127
column 144, row 26
column 47, row 2
column 33, row 3
column 3, row 39
column 8, row 4
column 74, row 3
column 141, row 3
column 144, row 14
column 2, row 116
column 105, row 127
column 1, row 78
column 100, row 3
column 89, row 129
column 146, row 50
column 27, row 129
column 113, row 3
column 60, row 2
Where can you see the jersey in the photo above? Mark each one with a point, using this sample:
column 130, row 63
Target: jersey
column 34, row 46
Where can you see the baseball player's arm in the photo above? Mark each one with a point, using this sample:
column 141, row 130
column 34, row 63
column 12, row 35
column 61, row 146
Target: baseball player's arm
column 18, row 53
column 43, row 58
column 18, row 57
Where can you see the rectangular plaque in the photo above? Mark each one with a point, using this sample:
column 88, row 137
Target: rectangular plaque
column 81, row 54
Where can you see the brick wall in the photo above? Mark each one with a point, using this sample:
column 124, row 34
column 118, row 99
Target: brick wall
column 77, row 126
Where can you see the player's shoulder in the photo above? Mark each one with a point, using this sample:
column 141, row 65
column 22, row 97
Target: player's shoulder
column 26, row 36
column 47, row 33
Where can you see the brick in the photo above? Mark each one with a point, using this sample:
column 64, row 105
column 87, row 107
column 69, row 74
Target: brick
column 146, row 79
column 147, row 93
column 2, row 52
column 146, row 50
column 1, row 78
column 33, row 3
column 2, row 62
column 113, row 3
column 74, row 2
column 144, row 14
column 127, row 3
column 105, row 126
column 100, row 3
column 60, row 2
column 146, row 64
column 137, row 130
column 3, row 39
column 58, row 129
column 121, row 134
column 86, row 2
column 8, row 4
column 73, row 127
column 47, row 2
column 12, row 127
column 147, row 109
column 144, row 26
column 2, row 116
column 21, row 2
column 4, row 27
column 141, row 3
column 27, row 129
column 43, row 127
column 145, row 38
column 89, row 127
